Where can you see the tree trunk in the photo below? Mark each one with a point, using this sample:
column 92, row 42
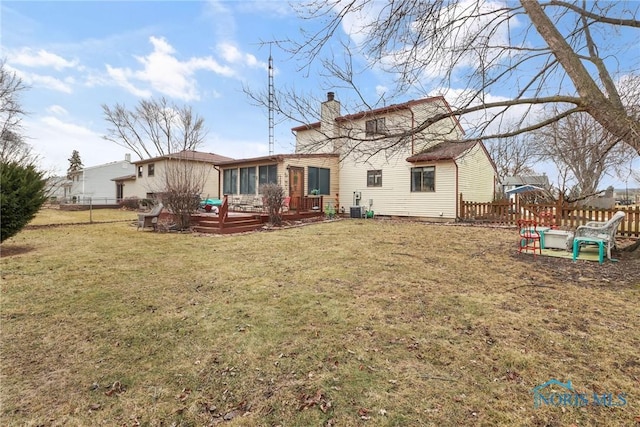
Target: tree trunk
column 611, row 116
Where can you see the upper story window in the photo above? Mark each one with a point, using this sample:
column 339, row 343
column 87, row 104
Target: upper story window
column 151, row 169
column 374, row 178
column 375, row 127
column 139, row 171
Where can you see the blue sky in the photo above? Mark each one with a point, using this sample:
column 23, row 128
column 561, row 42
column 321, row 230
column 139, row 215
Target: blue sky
column 78, row 55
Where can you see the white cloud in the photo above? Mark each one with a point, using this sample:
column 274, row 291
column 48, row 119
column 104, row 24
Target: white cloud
column 48, row 82
column 55, row 139
column 57, row 110
column 29, row 58
column 477, row 121
column 58, row 125
column 440, row 56
column 237, row 149
column 166, row 74
column 233, row 55
column 381, row 90
column 121, row 77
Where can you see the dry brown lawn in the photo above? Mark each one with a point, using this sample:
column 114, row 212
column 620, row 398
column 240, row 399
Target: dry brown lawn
column 343, row 323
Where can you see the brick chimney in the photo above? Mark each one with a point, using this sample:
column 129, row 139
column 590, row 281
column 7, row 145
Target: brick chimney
column 329, row 111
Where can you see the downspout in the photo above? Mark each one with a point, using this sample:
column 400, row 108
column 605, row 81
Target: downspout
column 456, row 195
column 219, row 182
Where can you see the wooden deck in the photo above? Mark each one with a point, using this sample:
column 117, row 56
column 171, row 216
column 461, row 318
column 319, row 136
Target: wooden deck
column 247, row 218
column 239, row 222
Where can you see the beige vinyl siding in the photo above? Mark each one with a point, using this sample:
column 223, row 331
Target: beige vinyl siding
column 395, row 197
column 312, row 141
column 329, row 162
column 477, row 175
column 156, row 183
column 443, row 130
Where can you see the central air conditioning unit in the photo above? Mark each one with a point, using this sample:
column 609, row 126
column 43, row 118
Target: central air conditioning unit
column 357, row 211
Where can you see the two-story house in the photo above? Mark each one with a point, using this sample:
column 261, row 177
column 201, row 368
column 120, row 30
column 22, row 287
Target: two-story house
column 191, row 169
column 390, row 162
column 95, row 184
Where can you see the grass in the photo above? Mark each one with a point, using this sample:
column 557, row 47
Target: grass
column 49, row 216
column 346, row 323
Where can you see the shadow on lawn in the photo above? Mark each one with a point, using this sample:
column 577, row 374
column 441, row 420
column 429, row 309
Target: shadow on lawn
column 13, row 250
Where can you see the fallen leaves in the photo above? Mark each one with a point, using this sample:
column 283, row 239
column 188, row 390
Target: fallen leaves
column 115, row 389
column 318, row 399
column 184, row 394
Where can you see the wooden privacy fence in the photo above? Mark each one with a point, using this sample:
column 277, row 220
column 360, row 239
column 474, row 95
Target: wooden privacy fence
column 561, row 214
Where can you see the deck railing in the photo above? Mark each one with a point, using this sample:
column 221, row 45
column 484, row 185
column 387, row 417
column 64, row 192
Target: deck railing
column 223, row 211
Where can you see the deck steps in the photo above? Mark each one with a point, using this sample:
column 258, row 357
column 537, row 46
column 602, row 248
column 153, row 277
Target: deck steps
column 239, row 223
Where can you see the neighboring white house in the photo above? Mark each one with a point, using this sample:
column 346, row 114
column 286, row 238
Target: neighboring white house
column 57, row 189
column 423, row 176
column 149, row 176
column 95, row 184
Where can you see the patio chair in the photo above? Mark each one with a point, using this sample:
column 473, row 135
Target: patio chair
column 529, row 236
column 598, row 233
column 235, row 203
column 150, row 219
column 258, row 204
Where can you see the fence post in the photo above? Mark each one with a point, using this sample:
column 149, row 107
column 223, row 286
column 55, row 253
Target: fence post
column 461, row 208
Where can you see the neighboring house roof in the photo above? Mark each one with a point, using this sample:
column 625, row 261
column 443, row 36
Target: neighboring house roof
column 383, row 110
column 275, row 158
column 443, row 151
column 196, row 156
column 539, row 180
column 124, row 178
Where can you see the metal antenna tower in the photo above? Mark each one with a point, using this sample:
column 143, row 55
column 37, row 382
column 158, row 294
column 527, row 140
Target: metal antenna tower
column 271, row 95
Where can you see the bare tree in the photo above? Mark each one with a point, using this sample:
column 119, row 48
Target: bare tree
column 513, row 156
column 154, row 128
column 580, row 146
column 13, row 147
column 548, row 53
column 183, row 180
